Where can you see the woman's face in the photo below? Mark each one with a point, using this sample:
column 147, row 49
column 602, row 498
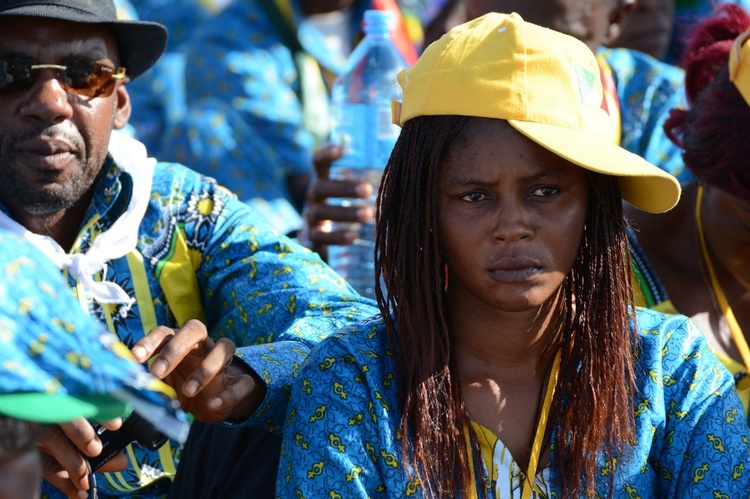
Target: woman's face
column 511, row 217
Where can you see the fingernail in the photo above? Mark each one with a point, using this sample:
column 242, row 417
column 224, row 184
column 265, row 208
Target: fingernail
column 364, row 214
column 159, row 368
column 190, row 388
column 93, row 447
column 215, row 403
column 139, row 353
column 83, row 494
column 363, row 190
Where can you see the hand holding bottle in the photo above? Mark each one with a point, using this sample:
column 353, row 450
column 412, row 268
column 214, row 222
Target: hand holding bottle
column 319, row 214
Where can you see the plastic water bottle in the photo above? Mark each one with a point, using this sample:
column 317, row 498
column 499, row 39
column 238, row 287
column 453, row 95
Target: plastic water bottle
column 361, row 99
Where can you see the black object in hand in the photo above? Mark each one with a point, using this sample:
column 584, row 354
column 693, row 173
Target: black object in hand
column 134, row 429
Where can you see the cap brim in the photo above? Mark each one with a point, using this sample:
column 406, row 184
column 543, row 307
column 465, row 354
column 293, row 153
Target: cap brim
column 60, row 408
column 642, row 184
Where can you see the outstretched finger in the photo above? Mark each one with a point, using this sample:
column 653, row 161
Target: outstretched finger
column 323, row 158
column 59, row 478
column 237, row 398
column 63, row 448
column 213, row 363
column 149, row 345
column 191, row 340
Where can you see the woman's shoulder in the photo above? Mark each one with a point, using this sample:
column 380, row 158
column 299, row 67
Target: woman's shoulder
column 656, row 330
column 671, row 348
column 363, row 343
column 669, row 341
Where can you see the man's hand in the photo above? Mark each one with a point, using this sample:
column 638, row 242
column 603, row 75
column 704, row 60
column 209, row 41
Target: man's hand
column 319, row 214
column 64, row 448
column 208, row 383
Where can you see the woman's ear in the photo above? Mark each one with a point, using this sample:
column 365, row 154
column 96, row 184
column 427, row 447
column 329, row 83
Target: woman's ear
column 617, row 17
column 123, row 108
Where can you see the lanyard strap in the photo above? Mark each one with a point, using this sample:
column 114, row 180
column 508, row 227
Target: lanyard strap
column 536, row 446
column 739, row 339
column 541, row 428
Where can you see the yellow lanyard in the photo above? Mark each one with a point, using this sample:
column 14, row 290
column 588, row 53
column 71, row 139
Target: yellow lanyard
column 541, row 429
column 739, row 339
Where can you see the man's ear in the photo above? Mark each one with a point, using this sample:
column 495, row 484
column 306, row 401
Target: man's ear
column 617, row 18
column 123, row 108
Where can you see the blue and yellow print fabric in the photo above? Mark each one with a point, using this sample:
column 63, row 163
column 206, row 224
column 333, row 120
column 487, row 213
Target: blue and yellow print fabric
column 342, row 435
column 49, row 345
column 201, row 253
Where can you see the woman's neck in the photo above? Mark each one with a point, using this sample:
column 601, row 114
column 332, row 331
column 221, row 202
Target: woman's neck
column 510, row 344
column 503, row 363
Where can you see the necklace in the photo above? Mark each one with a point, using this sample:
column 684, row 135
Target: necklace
column 739, row 339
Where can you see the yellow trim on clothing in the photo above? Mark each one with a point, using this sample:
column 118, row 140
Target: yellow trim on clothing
column 180, row 284
column 118, row 482
column 286, row 11
column 142, row 291
column 167, row 460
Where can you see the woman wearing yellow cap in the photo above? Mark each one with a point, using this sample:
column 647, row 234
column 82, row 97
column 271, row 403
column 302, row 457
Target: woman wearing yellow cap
column 507, row 361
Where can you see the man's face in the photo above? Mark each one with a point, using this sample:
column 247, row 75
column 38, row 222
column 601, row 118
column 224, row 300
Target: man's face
column 53, row 142
column 587, row 20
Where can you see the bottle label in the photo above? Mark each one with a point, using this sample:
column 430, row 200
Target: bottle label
column 366, row 133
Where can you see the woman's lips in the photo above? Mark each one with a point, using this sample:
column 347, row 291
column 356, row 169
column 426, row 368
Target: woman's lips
column 515, row 269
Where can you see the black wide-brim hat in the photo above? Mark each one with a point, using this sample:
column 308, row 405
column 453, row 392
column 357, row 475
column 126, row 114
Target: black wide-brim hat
column 141, row 43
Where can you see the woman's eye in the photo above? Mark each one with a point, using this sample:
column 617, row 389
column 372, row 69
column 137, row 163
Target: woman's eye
column 545, row 191
column 473, row 197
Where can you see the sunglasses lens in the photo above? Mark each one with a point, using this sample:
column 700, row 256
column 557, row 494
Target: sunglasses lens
column 87, row 79
column 16, row 74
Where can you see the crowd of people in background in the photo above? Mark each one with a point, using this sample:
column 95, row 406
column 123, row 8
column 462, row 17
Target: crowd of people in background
column 561, row 264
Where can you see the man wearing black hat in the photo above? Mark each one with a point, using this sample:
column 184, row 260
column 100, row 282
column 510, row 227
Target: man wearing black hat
column 164, row 257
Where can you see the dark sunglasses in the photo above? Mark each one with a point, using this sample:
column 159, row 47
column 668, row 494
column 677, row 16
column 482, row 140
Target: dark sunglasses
column 87, row 79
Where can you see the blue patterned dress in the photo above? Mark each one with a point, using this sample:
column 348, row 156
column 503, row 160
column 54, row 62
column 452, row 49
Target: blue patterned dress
column 342, row 436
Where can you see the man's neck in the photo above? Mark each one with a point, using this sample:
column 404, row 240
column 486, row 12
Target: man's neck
column 62, row 226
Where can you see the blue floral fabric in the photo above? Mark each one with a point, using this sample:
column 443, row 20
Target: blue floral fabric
column 342, row 435
column 647, row 90
column 244, row 124
column 216, row 259
column 50, row 346
column 158, row 95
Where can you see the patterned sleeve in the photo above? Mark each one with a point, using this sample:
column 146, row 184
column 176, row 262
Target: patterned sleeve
column 342, row 424
column 705, row 450
column 274, row 298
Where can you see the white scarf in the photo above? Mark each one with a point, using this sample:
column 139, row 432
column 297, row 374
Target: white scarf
column 121, row 238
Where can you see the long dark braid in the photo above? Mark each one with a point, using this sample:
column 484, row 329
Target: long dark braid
column 409, row 262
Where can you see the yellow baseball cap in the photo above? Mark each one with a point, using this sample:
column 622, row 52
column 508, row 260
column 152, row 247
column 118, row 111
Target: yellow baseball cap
column 739, row 65
column 546, row 84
